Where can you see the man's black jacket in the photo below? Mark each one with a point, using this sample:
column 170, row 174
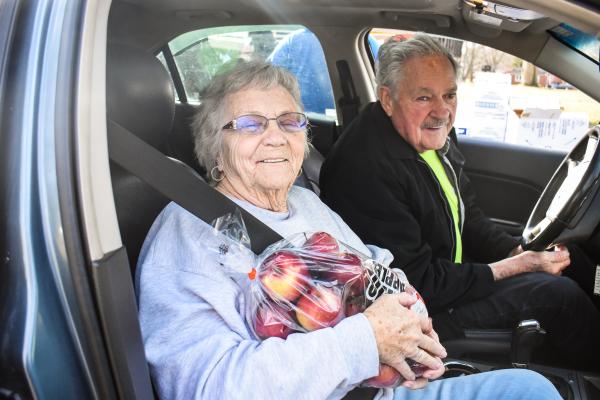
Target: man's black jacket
column 388, row 195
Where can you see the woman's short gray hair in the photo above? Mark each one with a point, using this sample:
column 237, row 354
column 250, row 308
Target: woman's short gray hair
column 394, row 54
column 208, row 121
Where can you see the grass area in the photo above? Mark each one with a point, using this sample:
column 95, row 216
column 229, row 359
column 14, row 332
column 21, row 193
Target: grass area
column 569, row 100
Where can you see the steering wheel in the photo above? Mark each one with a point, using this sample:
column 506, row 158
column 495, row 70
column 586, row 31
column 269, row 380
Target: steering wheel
column 569, row 207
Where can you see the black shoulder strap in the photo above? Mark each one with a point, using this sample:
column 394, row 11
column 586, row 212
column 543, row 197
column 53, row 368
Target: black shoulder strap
column 180, row 183
column 349, row 103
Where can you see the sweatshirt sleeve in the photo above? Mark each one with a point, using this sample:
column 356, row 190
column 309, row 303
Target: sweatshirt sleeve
column 199, row 347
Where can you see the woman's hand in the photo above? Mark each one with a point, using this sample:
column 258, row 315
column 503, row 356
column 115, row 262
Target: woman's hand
column 551, row 262
column 428, row 374
column 402, row 334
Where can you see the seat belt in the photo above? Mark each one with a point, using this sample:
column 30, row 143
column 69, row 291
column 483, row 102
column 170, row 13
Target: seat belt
column 349, row 103
column 181, row 184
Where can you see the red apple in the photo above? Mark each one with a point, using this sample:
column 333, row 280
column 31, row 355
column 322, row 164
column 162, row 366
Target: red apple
column 322, row 242
column 355, row 305
column 416, row 367
column 321, row 307
column 344, row 268
column 355, row 287
column 284, row 275
column 388, row 377
column 270, row 321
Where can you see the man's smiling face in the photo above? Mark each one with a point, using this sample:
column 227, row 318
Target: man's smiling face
column 422, row 106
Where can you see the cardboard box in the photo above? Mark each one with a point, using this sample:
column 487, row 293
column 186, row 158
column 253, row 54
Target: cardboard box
column 486, row 115
column 550, row 129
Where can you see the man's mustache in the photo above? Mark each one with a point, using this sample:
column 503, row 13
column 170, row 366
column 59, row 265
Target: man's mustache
column 435, row 123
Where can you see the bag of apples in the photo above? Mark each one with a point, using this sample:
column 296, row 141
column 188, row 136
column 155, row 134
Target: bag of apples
column 312, row 281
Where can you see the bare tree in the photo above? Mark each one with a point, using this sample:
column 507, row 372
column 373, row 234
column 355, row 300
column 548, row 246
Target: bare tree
column 529, row 74
column 468, row 61
column 492, row 57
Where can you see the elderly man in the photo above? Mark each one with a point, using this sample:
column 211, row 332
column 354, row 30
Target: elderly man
column 396, row 177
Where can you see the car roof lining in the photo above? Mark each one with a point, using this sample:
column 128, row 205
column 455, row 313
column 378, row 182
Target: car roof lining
column 179, row 16
column 152, row 25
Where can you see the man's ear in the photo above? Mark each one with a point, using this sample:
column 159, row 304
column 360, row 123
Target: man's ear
column 386, row 99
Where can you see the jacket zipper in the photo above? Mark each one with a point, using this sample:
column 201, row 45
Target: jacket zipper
column 461, row 206
column 447, row 205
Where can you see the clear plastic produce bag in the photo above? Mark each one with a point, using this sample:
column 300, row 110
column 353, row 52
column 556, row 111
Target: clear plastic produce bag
column 308, row 281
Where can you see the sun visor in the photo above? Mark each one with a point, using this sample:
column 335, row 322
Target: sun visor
column 494, row 18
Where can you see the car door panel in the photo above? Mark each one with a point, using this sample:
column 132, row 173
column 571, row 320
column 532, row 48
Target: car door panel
column 507, row 179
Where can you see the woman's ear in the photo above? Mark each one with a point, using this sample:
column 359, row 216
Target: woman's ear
column 385, row 99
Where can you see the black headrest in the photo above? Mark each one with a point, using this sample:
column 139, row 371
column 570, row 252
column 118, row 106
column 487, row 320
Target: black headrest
column 140, row 98
column 140, row 93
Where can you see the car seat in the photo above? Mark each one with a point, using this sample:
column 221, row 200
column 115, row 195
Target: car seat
column 140, row 98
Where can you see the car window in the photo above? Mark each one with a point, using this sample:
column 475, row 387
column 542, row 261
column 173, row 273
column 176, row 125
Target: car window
column 502, row 97
column 200, row 55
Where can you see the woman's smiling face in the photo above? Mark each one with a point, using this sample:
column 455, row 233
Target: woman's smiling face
column 261, row 163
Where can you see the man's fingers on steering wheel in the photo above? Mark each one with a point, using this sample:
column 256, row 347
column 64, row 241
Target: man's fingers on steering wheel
column 560, row 259
column 560, row 247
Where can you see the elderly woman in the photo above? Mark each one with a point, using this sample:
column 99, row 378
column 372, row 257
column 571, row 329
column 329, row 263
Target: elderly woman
column 250, row 135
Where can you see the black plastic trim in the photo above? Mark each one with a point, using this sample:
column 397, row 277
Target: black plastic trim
column 175, row 76
column 117, row 304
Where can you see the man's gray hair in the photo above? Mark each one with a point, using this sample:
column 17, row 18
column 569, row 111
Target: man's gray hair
column 394, row 54
column 209, row 120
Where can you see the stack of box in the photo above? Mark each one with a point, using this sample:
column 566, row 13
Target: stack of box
column 486, row 116
column 548, row 128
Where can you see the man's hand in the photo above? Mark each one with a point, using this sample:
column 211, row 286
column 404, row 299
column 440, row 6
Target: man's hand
column 551, row 262
column 516, row 251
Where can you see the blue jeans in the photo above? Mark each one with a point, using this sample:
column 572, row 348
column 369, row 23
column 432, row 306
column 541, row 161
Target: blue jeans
column 507, row 384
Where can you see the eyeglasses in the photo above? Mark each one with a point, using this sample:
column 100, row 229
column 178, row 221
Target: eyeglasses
column 255, row 124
